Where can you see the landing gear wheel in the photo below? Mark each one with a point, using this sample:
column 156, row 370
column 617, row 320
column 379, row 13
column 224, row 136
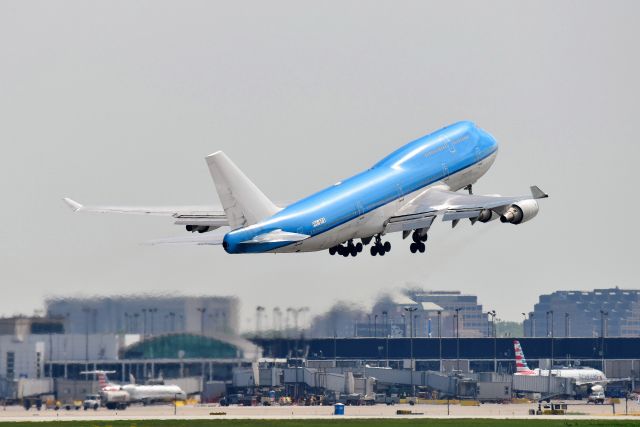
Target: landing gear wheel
column 359, row 247
column 387, row 246
column 353, row 250
column 381, row 251
column 413, row 248
column 425, row 237
column 374, row 250
column 415, row 237
column 422, row 247
column 333, row 250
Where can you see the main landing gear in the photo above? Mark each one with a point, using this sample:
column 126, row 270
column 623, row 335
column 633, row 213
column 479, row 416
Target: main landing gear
column 418, row 242
column 353, row 249
column 380, row 248
column 349, row 249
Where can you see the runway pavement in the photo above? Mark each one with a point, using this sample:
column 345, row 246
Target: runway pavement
column 498, row 411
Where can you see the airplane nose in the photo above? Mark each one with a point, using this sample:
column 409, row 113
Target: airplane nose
column 487, row 140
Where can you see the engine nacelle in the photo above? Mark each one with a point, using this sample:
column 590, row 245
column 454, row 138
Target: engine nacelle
column 520, row 212
column 487, row 215
column 198, row 228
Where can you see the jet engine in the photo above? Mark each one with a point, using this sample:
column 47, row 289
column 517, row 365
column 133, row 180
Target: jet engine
column 520, row 212
column 199, row 228
column 487, row 215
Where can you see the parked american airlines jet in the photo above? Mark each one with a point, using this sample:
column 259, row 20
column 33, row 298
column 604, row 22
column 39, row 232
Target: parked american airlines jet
column 583, row 376
column 404, row 192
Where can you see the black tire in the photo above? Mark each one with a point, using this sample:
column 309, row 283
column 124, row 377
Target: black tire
column 424, row 238
column 422, row 247
column 413, row 248
column 387, row 246
column 374, row 250
column 381, row 251
column 332, row 250
column 415, row 237
column 359, row 247
column 353, row 251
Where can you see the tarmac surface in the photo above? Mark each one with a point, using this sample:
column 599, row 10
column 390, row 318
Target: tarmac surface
column 576, row 410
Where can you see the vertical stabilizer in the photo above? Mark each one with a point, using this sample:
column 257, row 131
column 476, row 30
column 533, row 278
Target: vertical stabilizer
column 521, row 363
column 243, row 203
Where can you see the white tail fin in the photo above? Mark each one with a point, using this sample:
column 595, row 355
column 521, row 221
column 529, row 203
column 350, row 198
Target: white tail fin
column 521, row 363
column 103, row 381
column 243, row 203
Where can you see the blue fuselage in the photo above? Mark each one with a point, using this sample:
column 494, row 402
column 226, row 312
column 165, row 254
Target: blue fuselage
column 420, row 163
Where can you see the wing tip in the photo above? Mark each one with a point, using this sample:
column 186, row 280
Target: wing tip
column 537, row 193
column 214, row 154
column 75, row 206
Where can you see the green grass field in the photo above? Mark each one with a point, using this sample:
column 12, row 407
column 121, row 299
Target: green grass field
column 331, row 423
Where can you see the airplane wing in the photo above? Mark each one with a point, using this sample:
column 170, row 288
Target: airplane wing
column 421, row 211
column 183, row 215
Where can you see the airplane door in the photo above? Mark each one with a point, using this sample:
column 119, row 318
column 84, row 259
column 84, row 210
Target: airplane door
column 445, row 171
column 300, row 230
column 359, row 210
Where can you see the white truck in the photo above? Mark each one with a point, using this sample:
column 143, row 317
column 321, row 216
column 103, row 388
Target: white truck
column 91, row 401
column 597, row 397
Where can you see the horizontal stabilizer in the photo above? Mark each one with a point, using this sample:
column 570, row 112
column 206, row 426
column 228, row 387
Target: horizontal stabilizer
column 75, row 206
column 277, row 236
column 210, row 238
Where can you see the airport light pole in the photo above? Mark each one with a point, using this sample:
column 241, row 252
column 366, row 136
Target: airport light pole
column 152, row 312
column 410, row 311
column 457, row 317
column 550, row 313
column 531, row 323
column 404, row 325
column 603, row 333
column 86, row 311
column 375, row 325
column 492, row 313
column 172, row 317
column 135, row 322
column 202, row 310
column 369, row 328
column 386, row 333
column 524, row 319
column 440, row 337
column 144, row 323
column 259, row 310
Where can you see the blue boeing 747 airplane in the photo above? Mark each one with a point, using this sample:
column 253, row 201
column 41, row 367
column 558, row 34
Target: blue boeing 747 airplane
column 404, row 192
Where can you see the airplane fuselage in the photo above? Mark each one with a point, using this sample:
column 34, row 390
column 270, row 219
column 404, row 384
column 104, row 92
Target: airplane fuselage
column 358, row 207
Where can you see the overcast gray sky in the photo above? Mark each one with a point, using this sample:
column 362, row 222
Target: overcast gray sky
column 119, row 102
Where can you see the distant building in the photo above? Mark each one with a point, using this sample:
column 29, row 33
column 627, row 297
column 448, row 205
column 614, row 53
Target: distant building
column 390, row 315
column 614, row 312
column 21, row 326
column 147, row 315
